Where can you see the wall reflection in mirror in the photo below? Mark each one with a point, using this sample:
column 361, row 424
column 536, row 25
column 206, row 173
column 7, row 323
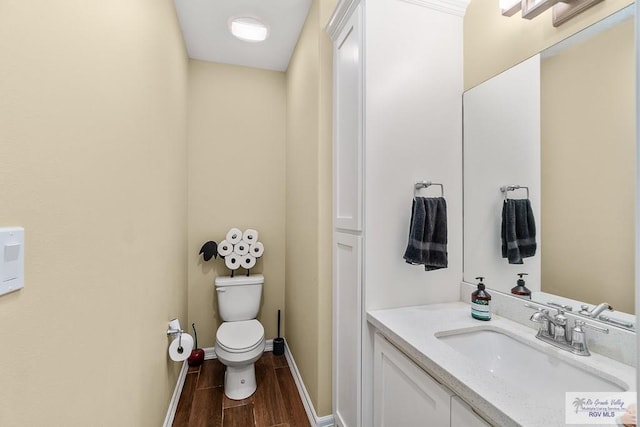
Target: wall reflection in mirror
column 561, row 123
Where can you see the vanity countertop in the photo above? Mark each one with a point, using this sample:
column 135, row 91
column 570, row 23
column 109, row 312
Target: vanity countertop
column 414, row 329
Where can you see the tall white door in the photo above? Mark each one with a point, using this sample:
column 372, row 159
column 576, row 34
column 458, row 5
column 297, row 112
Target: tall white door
column 347, row 167
column 347, row 222
column 347, row 347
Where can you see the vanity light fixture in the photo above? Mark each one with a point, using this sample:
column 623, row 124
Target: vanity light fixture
column 510, row 7
column 533, row 8
column 563, row 10
column 248, row 29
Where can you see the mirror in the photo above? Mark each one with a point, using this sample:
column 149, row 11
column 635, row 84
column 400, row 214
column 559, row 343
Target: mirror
column 562, row 124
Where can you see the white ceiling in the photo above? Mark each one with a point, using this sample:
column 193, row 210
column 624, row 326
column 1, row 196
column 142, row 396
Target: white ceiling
column 206, row 33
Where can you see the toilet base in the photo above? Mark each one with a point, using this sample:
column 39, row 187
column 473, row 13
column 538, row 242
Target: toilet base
column 240, row 382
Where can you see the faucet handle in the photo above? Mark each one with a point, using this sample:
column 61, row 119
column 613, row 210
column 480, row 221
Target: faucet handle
column 560, row 318
column 582, row 324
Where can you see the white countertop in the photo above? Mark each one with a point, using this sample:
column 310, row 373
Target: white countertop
column 414, row 329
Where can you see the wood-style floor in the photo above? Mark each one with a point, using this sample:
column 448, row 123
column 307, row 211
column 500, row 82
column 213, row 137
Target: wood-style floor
column 276, row 402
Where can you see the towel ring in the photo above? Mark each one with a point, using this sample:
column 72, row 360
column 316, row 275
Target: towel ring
column 424, row 184
column 506, row 188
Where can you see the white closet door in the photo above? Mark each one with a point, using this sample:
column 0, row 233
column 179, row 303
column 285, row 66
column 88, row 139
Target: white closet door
column 348, row 125
column 347, row 337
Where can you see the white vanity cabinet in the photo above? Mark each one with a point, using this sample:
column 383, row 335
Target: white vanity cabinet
column 463, row 416
column 406, row 396
column 403, row 394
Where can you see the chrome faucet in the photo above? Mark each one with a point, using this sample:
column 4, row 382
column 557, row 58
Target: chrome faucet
column 595, row 311
column 554, row 327
column 554, row 330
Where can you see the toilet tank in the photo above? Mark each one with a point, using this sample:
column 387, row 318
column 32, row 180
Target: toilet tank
column 239, row 297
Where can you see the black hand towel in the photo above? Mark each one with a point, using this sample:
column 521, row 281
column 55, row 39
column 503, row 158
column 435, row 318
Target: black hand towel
column 427, row 243
column 518, row 230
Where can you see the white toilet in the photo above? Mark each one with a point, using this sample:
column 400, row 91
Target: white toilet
column 240, row 339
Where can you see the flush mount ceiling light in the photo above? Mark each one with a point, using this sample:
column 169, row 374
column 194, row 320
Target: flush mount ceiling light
column 248, row 29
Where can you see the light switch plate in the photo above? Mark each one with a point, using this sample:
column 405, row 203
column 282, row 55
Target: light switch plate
column 11, row 259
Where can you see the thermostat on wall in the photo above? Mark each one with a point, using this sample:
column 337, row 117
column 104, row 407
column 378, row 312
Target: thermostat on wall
column 12, row 265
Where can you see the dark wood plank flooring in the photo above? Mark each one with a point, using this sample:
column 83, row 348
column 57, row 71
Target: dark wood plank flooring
column 276, row 402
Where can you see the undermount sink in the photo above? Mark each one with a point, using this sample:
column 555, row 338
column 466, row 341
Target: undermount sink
column 534, row 371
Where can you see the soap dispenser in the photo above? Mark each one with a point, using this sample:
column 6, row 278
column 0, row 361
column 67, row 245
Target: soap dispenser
column 480, row 302
column 520, row 289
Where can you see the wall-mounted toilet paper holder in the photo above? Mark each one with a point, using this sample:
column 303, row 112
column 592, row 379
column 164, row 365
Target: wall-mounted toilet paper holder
column 174, row 328
column 172, row 332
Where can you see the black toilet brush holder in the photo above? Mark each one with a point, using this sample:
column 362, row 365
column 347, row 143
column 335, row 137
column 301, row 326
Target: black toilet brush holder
column 278, row 342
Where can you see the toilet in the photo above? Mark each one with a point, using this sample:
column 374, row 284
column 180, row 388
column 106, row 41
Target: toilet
column 240, row 338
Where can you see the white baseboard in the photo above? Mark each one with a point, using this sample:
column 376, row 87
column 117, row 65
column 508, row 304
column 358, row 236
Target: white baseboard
column 314, row 420
column 173, row 404
column 209, row 353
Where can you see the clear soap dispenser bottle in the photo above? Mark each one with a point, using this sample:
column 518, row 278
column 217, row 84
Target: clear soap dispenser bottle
column 520, row 289
column 480, row 302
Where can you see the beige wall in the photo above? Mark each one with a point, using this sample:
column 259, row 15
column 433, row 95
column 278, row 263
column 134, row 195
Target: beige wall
column 494, row 43
column 308, row 208
column 236, row 175
column 93, row 165
column 325, row 211
column 588, row 169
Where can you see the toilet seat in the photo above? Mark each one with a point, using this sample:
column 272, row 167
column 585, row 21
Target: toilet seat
column 241, row 336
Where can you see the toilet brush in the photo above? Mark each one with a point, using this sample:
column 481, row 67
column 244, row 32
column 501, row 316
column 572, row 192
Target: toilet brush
column 278, row 343
column 197, row 354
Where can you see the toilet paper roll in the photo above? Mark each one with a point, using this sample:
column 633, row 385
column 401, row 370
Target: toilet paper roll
column 257, row 249
column 241, row 248
column 250, row 236
column 232, row 261
column 234, row 236
column 225, row 248
column 248, row 261
column 180, row 348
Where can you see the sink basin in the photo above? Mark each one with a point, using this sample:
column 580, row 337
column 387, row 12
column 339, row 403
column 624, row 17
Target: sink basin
column 535, row 372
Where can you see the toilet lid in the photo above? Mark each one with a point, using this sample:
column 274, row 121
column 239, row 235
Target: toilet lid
column 240, row 335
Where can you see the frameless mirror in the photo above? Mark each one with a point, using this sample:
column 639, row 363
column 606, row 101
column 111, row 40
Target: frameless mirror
column 562, row 124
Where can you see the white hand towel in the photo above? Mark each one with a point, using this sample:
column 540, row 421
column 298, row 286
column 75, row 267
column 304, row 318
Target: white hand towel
column 248, row 261
column 225, row 248
column 257, row 249
column 241, row 248
column 250, row 236
column 232, row 261
column 234, row 236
